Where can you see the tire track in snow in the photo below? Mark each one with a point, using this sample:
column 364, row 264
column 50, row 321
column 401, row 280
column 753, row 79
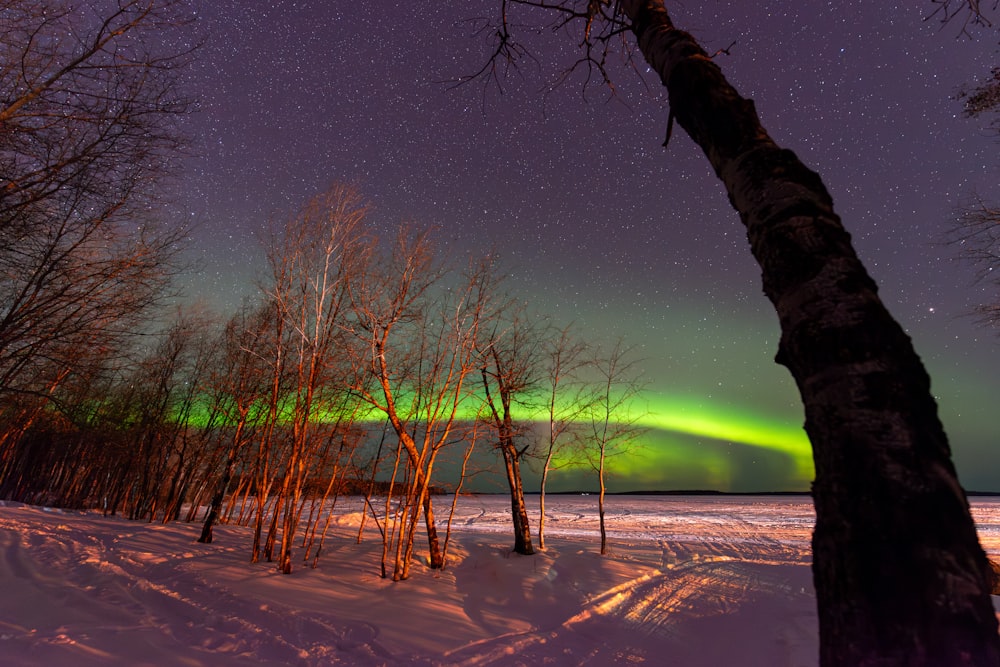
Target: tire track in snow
column 670, row 604
column 143, row 597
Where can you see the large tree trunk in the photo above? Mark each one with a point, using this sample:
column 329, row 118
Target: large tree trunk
column 518, row 510
column 900, row 576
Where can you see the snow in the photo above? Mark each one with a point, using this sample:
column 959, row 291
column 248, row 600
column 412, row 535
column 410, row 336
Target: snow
column 690, row 581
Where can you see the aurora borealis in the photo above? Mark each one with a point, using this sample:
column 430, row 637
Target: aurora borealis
column 597, row 222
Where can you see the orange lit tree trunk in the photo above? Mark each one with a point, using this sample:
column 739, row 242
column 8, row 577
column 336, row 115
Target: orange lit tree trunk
column 900, row 576
column 415, row 342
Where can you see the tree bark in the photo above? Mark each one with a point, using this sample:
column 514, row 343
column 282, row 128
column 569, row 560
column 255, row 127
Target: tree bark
column 900, row 576
column 518, row 510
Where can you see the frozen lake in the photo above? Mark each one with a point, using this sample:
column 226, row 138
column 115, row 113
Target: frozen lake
column 682, row 571
column 745, row 527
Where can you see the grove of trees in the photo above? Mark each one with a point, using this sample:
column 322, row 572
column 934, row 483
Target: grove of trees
column 266, row 419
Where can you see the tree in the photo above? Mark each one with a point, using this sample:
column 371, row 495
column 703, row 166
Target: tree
column 983, row 99
column 416, row 326
column 610, row 411
column 900, row 576
column 565, row 404
column 89, row 104
column 977, row 235
column 313, row 258
column 977, row 230
column 238, row 387
column 967, row 13
column 164, row 390
column 509, row 364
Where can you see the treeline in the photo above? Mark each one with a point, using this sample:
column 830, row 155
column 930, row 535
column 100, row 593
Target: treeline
column 360, row 363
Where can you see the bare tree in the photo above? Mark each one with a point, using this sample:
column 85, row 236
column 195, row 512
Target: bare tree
column 965, row 13
column 416, row 335
column 890, row 511
column 313, row 258
column 566, row 401
column 612, row 416
column 509, row 365
column 238, row 386
column 154, row 407
column 976, row 233
column 89, row 106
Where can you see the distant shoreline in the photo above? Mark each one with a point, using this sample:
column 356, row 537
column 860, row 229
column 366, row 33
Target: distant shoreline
column 691, row 492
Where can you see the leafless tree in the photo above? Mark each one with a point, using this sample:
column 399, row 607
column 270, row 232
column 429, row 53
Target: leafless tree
column 155, row 404
column 509, row 367
column 566, row 401
column 976, row 234
column 889, row 508
column 415, row 337
column 612, row 416
column 965, row 13
column 89, row 105
column 313, row 258
column 238, row 386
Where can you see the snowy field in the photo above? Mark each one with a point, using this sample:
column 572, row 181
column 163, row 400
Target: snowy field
column 690, row 581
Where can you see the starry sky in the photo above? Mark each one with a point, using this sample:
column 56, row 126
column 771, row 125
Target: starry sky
column 598, row 223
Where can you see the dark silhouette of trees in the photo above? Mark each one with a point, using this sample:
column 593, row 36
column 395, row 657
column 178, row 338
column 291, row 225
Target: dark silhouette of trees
column 154, row 407
column 121, row 437
column 976, row 233
column 88, row 127
column 89, row 110
column 238, row 387
column 965, row 13
column 900, row 576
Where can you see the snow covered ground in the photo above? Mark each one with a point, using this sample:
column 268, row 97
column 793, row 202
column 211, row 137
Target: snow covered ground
column 691, row 581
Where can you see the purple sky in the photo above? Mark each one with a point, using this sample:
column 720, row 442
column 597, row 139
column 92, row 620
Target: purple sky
column 599, row 223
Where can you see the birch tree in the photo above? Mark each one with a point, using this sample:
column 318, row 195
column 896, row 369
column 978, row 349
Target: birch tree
column 612, row 417
column 509, row 365
column 900, row 576
column 313, row 257
column 566, row 401
column 416, row 326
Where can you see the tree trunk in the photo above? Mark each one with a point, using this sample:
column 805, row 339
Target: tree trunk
column 518, row 510
column 541, row 502
column 900, row 576
column 213, row 509
column 435, row 558
column 215, row 506
column 600, row 504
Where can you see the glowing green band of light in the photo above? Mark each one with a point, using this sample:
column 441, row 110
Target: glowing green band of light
column 683, row 415
column 666, row 414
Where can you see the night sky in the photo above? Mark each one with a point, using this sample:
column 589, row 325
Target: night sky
column 597, row 221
